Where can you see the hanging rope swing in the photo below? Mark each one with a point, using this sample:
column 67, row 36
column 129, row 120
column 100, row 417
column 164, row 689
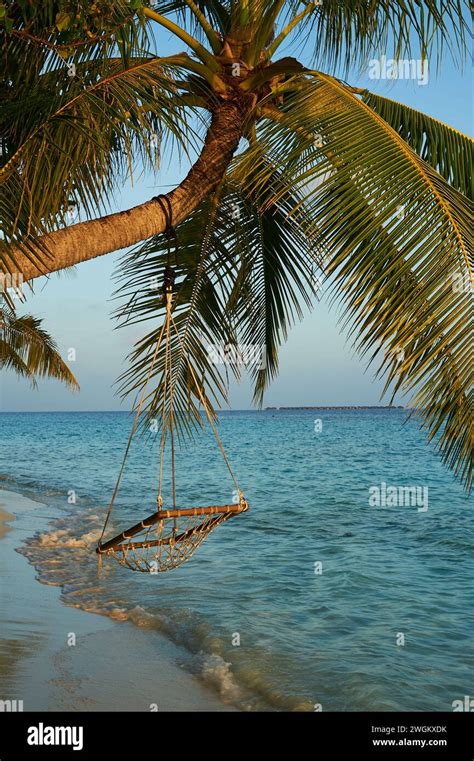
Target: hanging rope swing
column 167, row 538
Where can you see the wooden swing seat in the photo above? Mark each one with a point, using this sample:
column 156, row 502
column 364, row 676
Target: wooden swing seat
column 161, row 515
column 166, row 543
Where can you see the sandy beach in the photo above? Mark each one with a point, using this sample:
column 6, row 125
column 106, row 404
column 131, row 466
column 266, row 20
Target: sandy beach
column 54, row 657
column 5, row 519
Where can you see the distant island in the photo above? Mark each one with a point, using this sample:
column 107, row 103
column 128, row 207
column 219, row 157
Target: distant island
column 354, row 407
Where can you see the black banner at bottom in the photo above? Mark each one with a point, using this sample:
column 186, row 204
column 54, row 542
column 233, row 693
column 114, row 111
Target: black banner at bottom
column 126, row 735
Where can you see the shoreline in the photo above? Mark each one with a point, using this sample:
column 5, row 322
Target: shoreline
column 54, row 657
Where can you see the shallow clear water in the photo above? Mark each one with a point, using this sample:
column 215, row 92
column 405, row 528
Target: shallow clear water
column 309, row 634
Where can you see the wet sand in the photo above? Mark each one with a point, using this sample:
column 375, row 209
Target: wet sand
column 5, row 518
column 58, row 658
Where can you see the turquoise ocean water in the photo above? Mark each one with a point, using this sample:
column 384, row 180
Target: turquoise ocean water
column 318, row 584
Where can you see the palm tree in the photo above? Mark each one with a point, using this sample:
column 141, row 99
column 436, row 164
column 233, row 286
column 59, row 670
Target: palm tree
column 299, row 176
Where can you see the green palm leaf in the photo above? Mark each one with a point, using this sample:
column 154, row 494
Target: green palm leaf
column 444, row 148
column 202, row 324
column 72, row 149
column 217, row 13
column 29, row 350
column 244, row 272
column 347, row 33
column 388, row 219
column 279, row 258
column 39, row 37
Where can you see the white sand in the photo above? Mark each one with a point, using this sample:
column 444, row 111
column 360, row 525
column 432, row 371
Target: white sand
column 114, row 666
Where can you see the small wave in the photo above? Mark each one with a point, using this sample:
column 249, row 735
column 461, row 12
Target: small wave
column 217, row 673
column 65, row 539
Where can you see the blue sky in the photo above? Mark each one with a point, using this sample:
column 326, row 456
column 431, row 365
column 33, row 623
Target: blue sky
column 317, row 365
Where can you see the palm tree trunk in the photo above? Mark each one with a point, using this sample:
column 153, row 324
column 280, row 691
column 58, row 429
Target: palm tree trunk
column 88, row 240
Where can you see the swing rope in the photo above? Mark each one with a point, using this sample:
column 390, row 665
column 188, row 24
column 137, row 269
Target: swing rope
column 167, row 210
column 167, row 550
column 208, row 414
column 132, row 432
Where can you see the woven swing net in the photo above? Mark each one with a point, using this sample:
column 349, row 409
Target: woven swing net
column 167, row 538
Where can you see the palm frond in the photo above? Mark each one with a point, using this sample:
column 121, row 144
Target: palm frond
column 71, row 144
column 361, row 182
column 201, row 324
column 279, row 261
column 29, row 350
column 40, row 37
column 348, row 33
column 446, row 149
column 217, row 13
column 244, row 272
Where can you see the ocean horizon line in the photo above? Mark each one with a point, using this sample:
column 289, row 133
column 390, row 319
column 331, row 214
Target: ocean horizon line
column 285, row 408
